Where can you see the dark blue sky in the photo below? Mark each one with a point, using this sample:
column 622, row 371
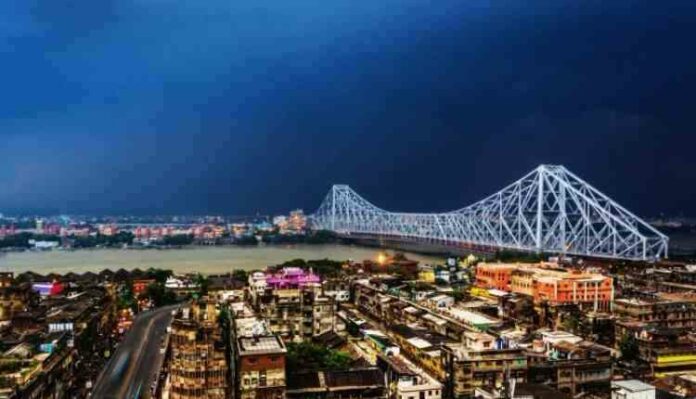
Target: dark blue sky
column 237, row 107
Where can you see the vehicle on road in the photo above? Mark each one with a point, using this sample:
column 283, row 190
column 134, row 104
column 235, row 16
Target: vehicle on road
column 121, row 365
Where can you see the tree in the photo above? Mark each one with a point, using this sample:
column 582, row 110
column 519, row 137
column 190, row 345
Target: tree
column 178, row 239
column 159, row 295
column 202, row 282
column 572, row 323
column 126, row 299
column 247, row 240
column 295, row 263
column 240, row 275
column 160, row 275
column 629, row 348
column 320, row 237
column 313, row 357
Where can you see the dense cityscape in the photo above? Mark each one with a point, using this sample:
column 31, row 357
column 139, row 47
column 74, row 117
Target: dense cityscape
column 338, row 199
column 485, row 325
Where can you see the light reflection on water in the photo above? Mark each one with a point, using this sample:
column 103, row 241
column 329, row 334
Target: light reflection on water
column 194, row 259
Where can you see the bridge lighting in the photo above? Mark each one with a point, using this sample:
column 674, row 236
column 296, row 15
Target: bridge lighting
column 548, row 210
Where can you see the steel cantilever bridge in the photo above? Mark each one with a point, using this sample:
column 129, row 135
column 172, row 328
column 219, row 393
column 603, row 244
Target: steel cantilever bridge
column 548, row 210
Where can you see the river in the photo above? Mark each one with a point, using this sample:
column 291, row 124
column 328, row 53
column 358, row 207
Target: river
column 190, row 259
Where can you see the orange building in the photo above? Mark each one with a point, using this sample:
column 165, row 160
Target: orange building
column 496, row 275
column 549, row 283
column 585, row 289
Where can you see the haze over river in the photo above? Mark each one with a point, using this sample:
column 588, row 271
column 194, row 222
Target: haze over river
column 191, row 259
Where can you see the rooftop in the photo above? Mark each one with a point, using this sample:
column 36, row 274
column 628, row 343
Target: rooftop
column 470, row 317
column 632, row 385
column 260, row 345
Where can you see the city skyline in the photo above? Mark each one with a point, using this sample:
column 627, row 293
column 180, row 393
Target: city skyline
column 395, row 199
column 116, row 109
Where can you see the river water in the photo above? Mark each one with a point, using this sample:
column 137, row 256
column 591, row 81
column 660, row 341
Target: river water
column 191, row 259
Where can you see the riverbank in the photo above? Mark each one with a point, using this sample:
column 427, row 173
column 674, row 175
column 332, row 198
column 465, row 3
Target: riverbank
column 207, row 260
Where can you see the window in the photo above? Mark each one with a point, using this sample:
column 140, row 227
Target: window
column 262, row 378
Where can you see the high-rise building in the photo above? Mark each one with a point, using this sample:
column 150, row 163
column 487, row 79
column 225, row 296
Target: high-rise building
column 198, row 367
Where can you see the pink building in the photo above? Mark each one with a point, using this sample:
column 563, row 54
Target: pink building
column 291, row 277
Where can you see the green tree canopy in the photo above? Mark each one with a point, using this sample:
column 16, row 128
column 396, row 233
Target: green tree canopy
column 629, row 348
column 312, row 357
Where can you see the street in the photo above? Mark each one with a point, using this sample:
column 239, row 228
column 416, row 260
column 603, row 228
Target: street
column 132, row 369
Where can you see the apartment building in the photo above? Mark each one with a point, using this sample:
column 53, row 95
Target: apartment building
column 260, row 366
column 198, row 366
column 572, row 368
column 469, row 368
column 297, row 313
column 406, row 381
column 660, row 324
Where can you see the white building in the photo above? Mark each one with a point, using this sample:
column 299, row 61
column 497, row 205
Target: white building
column 338, row 295
column 417, row 387
column 44, row 244
column 632, row 389
column 280, row 221
column 552, row 338
column 441, row 301
column 257, row 283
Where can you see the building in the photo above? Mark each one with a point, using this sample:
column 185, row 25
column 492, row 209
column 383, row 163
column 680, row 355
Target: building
column 473, row 320
column 406, row 381
column 661, row 310
column 426, row 274
column 354, row 383
column 632, row 389
column 292, row 278
column 680, row 385
column 660, row 325
column 140, row 285
column 297, row 220
column 440, row 301
column 260, row 366
column 297, row 313
column 572, row 368
column 549, row 283
column 292, row 302
column 48, row 343
column 198, row 365
column 336, row 288
column 6, row 279
column 469, row 368
column 496, row 275
column 521, row 391
column 15, row 300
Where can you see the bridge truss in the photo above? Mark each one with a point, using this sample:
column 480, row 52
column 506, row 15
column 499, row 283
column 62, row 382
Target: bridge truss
column 548, row 210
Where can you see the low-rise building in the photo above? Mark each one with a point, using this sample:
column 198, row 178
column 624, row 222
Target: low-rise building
column 549, row 283
column 355, row 383
column 632, row 389
column 572, row 368
column 470, row 368
column 405, row 380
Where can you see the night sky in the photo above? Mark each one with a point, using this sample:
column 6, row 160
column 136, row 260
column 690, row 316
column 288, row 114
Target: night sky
column 239, row 107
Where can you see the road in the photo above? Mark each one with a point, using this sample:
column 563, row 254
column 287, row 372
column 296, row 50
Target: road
column 132, row 368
